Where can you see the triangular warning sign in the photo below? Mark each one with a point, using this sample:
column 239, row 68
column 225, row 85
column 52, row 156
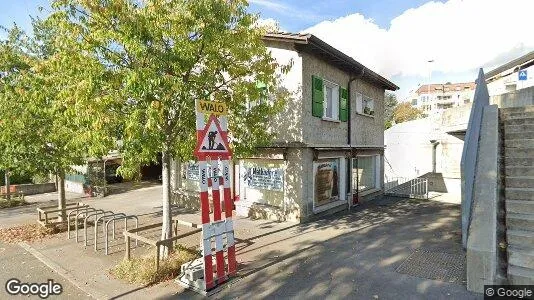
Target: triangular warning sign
column 212, row 141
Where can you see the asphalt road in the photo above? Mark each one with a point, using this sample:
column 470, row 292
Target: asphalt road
column 15, row 262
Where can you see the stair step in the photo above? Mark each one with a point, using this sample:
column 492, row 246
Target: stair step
column 517, row 115
column 519, row 221
column 508, row 110
column 519, row 193
column 520, row 206
column 520, row 181
column 518, row 128
column 519, row 171
column 520, row 276
column 521, row 257
column 519, row 161
column 518, row 135
column 520, row 239
column 519, row 143
column 524, row 121
column 519, row 152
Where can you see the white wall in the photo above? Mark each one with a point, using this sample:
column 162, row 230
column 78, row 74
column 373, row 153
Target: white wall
column 408, row 149
column 293, row 79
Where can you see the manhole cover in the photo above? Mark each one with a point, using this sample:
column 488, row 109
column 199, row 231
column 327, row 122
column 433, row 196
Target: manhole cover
column 435, row 265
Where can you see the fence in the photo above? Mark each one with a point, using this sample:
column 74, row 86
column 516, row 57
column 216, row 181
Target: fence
column 416, row 188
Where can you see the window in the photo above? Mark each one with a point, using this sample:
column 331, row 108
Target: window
column 365, row 105
column 366, row 172
column 414, row 102
column 331, row 101
column 326, row 181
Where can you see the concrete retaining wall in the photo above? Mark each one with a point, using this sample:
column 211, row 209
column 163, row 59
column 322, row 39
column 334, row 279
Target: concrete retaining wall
column 32, row 189
column 518, row 98
column 482, row 258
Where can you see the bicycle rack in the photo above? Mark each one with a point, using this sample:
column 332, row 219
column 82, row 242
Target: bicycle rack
column 103, row 218
column 87, row 210
column 68, row 218
column 96, row 213
column 105, row 230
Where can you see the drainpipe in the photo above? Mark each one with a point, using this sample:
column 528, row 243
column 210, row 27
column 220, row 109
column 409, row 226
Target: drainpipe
column 349, row 140
column 434, row 147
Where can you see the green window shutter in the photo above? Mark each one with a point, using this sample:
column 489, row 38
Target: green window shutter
column 343, row 105
column 317, row 97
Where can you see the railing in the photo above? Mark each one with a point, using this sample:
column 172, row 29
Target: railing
column 469, row 155
column 416, row 188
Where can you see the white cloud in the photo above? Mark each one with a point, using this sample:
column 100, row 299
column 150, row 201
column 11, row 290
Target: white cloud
column 459, row 35
column 270, row 23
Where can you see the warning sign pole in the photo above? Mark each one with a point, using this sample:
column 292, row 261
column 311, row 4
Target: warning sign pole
column 213, row 151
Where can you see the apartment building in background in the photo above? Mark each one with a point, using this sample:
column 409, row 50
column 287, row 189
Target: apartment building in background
column 435, row 98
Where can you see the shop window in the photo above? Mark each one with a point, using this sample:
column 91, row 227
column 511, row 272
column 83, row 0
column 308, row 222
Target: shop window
column 365, row 173
column 326, row 181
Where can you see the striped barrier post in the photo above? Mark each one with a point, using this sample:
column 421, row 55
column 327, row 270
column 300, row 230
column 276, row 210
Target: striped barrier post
column 228, row 208
column 215, row 133
column 206, row 225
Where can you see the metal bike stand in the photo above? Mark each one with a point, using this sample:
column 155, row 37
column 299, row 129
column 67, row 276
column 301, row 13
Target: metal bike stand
column 87, row 217
column 105, row 230
column 87, row 210
column 68, row 218
column 103, row 218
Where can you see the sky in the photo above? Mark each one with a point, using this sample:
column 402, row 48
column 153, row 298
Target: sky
column 395, row 38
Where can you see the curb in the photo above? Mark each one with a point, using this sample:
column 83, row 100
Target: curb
column 61, row 271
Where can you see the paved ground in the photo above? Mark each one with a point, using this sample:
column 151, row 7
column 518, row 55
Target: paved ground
column 20, row 264
column 348, row 255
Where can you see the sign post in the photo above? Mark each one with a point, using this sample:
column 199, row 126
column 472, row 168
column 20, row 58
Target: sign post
column 213, row 150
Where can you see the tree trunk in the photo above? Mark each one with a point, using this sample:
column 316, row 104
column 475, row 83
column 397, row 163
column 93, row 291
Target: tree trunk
column 166, row 230
column 8, row 185
column 61, row 200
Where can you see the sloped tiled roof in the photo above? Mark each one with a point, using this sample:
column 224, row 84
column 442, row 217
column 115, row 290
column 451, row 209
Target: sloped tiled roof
column 312, row 44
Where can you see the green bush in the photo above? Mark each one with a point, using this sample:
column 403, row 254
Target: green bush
column 16, row 178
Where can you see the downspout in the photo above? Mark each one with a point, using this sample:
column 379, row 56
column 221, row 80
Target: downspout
column 349, row 140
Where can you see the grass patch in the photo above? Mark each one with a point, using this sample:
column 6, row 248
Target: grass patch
column 143, row 270
column 13, row 202
column 26, row 233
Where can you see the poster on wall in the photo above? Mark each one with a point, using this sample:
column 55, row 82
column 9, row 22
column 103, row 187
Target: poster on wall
column 326, row 182
column 263, row 178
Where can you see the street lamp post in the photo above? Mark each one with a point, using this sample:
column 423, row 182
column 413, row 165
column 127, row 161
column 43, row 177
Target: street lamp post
column 430, row 80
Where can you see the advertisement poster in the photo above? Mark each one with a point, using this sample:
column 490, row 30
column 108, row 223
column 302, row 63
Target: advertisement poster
column 326, row 182
column 264, row 178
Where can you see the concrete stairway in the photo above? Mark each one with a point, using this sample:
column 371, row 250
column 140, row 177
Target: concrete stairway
column 518, row 129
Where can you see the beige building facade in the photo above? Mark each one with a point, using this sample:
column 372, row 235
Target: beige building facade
column 329, row 146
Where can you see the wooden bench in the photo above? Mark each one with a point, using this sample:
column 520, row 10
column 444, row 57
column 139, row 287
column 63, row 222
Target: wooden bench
column 43, row 213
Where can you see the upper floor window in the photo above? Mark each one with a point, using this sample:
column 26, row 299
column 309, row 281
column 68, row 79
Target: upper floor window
column 329, row 100
column 365, row 105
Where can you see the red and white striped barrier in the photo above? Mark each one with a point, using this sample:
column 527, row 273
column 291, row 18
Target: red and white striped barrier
column 217, row 229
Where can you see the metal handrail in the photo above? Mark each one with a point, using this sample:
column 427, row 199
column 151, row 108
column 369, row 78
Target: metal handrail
column 98, row 212
column 68, row 219
column 105, row 230
column 103, row 218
